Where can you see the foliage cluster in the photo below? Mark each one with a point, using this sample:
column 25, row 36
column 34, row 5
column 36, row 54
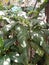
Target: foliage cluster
column 24, row 41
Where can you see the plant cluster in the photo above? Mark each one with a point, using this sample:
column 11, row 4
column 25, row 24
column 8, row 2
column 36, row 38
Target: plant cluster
column 23, row 39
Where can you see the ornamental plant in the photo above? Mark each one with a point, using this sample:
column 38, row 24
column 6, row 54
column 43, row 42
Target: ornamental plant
column 23, row 39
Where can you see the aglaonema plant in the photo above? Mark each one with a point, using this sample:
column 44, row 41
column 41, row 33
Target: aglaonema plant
column 23, row 41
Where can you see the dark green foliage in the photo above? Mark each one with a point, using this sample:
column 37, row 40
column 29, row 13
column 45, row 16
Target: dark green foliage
column 19, row 35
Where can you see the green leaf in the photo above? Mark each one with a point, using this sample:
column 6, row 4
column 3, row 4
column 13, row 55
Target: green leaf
column 5, row 60
column 1, row 7
column 36, row 37
column 1, row 34
column 46, row 0
column 25, row 56
column 22, row 34
column 9, row 42
column 8, row 27
column 46, row 32
column 45, row 46
column 38, row 49
column 15, row 57
column 1, row 42
column 36, row 58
